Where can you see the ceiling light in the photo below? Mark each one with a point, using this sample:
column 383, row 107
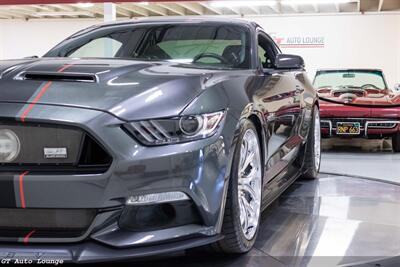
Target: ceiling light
column 223, row 3
column 85, row 5
column 240, row 3
column 313, row 2
column 143, row 3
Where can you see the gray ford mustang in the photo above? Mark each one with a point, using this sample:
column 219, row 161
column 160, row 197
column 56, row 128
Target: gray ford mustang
column 150, row 136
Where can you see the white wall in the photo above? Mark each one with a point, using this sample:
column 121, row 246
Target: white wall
column 35, row 37
column 351, row 41
column 365, row 41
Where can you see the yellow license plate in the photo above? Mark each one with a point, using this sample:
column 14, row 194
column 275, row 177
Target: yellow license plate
column 348, row 128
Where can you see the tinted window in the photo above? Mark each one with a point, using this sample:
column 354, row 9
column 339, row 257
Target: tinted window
column 266, row 52
column 206, row 45
column 101, row 47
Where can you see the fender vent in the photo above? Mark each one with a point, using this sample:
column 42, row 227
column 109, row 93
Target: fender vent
column 56, row 76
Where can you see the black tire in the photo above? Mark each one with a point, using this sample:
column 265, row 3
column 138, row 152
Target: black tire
column 235, row 242
column 396, row 143
column 311, row 167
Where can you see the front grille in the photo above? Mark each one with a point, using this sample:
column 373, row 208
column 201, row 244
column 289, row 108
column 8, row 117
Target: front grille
column 382, row 125
column 365, row 123
column 83, row 153
column 50, row 223
column 334, row 121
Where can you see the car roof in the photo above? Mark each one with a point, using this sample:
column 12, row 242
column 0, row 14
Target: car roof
column 184, row 19
column 350, row 69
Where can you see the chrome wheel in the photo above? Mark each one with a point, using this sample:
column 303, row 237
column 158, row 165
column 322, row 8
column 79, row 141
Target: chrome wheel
column 249, row 184
column 317, row 140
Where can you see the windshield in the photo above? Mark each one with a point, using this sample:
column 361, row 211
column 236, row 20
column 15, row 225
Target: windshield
column 350, row 79
column 206, row 45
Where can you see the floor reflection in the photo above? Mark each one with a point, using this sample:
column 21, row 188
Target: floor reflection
column 347, row 219
column 361, row 158
column 333, row 220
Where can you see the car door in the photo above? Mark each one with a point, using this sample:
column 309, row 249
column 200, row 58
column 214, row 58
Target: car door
column 280, row 98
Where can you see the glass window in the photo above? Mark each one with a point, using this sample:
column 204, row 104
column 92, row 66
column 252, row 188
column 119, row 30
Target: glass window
column 353, row 79
column 204, row 45
column 102, row 47
column 265, row 52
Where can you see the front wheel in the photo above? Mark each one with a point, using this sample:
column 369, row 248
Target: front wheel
column 312, row 160
column 243, row 203
column 396, row 143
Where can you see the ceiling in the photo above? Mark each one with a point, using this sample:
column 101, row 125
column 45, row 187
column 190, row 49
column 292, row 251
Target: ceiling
column 135, row 9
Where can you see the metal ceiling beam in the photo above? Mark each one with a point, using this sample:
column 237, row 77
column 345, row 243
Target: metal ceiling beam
column 63, row 13
column 174, row 8
column 277, row 8
column 195, row 8
column 154, row 9
column 256, row 10
column 122, row 12
column 49, row 2
column 135, row 10
column 11, row 15
column 212, row 9
column 95, row 10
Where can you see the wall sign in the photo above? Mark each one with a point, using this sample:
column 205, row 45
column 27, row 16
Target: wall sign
column 299, row 41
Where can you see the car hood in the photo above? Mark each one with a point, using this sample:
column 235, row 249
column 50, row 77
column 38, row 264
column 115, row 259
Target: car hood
column 128, row 89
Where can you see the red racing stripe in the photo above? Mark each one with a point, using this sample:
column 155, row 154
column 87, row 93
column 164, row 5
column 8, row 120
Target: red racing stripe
column 39, row 96
column 21, row 189
column 26, row 238
column 65, row 67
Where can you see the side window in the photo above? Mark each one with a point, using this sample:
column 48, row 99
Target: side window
column 266, row 54
column 102, row 47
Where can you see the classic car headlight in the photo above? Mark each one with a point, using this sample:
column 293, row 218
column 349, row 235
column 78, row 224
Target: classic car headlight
column 175, row 130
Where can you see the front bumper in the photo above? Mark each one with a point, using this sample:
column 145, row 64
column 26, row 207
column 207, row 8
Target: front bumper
column 199, row 169
column 370, row 127
column 94, row 252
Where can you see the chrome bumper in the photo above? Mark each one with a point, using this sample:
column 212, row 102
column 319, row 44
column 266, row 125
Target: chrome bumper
column 371, row 124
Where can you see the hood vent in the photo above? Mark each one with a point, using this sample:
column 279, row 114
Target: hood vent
column 56, row 76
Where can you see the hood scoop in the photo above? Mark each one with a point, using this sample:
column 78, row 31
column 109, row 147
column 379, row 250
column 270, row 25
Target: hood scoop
column 57, row 76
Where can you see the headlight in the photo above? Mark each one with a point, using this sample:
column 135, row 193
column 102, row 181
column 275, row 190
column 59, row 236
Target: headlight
column 9, row 145
column 175, row 130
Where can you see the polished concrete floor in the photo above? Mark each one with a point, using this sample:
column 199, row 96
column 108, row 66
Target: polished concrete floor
column 330, row 221
column 361, row 158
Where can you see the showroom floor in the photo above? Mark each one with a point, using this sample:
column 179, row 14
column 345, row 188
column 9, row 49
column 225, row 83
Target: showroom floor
column 350, row 220
column 361, row 158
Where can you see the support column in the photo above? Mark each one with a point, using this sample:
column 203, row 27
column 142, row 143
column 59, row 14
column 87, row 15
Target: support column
column 110, row 12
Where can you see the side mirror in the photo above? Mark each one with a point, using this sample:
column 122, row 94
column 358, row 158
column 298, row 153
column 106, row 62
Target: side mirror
column 285, row 62
column 397, row 87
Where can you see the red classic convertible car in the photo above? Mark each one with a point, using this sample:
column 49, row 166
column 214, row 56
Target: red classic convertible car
column 358, row 103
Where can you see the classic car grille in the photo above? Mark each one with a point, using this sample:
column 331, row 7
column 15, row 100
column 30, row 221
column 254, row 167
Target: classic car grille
column 83, row 153
column 365, row 123
column 48, row 223
column 334, row 121
column 370, row 123
column 382, row 125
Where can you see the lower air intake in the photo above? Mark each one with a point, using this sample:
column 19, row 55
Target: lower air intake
column 45, row 222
